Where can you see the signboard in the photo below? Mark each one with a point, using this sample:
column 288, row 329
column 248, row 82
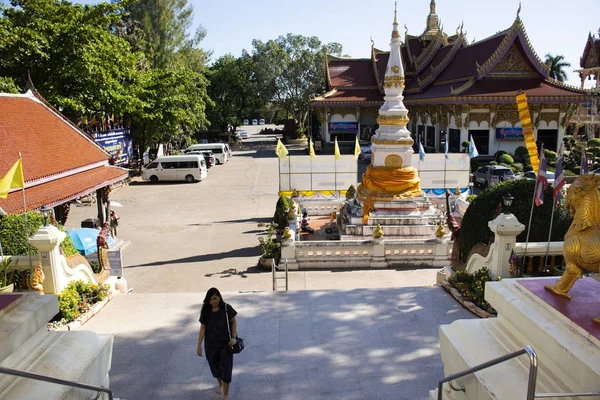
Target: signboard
column 304, row 173
column 509, row 134
column 439, row 172
column 117, row 143
column 343, row 127
column 115, row 260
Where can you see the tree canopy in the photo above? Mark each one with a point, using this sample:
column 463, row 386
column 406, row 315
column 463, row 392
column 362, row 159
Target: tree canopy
column 557, row 65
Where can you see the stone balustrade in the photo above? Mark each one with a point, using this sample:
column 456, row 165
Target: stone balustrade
column 375, row 253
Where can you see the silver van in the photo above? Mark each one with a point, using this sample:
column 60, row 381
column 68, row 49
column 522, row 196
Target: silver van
column 189, row 168
column 221, row 151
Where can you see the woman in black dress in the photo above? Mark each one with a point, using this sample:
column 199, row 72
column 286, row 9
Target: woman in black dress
column 213, row 327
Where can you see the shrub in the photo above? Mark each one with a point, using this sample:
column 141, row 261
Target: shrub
column 465, row 146
column 13, row 237
column 471, row 197
column 499, row 154
column 269, row 244
column 493, row 163
column 595, row 142
column 521, row 151
column 518, row 167
column 350, row 192
column 506, row 159
column 566, row 172
column 527, row 168
column 550, row 155
column 472, row 286
column 484, row 208
column 281, row 211
column 78, row 297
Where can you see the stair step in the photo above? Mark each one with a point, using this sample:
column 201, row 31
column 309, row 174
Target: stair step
column 79, row 356
column 475, row 342
column 23, row 318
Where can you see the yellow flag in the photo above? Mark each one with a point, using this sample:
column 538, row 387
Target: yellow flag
column 280, row 150
column 12, row 179
column 311, row 149
column 527, row 128
column 356, row 148
column 337, row 150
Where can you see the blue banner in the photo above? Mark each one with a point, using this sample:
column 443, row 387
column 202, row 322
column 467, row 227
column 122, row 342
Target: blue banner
column 509, row 134
column 343, row 127
column 117, row 143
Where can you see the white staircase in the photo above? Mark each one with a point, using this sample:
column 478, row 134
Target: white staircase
column 568, row 356
column 27, row 345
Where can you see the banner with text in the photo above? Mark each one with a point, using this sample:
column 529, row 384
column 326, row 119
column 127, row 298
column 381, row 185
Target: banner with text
column 304, row 173
column 509, row 134
column 439, row 172
column 117, row 143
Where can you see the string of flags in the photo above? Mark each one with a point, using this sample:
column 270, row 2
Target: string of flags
column 102, row 123
column 282, row 151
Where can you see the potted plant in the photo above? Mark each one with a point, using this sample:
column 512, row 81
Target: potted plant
column 269, row 245
column 5, row 276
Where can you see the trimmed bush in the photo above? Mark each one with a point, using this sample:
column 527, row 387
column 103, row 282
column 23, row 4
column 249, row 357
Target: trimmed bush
column 465, row 146
column 521, row 151
column 566, row 172
column 550, row 155
column 595, row 142
column 471, row 197
column 350, row 192
column 484, row 208
column 506, row 159
column 281, row 211
column 14, row 239
column 499, row 154
column 78, row 297
column 517, row 167
column 493, row 163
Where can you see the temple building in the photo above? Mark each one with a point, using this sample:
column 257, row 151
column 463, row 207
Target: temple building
column 587, row 119
column 454, row 90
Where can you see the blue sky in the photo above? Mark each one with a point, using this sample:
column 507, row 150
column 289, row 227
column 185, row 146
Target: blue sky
column 553, row 26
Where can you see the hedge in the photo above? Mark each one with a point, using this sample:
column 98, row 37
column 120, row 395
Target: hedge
column 13, row 238
column 474, row 226
column 506, row 159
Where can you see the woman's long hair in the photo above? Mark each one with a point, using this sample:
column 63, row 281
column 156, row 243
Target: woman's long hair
column 206, row 307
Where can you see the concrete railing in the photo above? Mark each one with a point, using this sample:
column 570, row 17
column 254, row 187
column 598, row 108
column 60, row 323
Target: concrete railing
column 375, row 253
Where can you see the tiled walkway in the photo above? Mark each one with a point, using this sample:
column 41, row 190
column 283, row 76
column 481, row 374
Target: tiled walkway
column 306, row 345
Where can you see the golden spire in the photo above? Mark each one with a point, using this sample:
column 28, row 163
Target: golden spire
column 395, row 33
column 433, row 23
column 432, row 6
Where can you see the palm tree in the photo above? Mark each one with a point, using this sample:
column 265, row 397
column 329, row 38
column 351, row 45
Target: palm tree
column 556, row 65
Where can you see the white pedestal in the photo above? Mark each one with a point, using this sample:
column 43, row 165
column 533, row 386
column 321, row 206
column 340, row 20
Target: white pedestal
column 568, row 352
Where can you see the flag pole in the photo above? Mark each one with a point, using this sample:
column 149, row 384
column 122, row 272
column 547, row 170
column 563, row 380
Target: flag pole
column 530, row 217
column 25, row 212
column 550, row 232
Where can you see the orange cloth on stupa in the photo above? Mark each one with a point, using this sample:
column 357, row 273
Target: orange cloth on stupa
column 402, row 182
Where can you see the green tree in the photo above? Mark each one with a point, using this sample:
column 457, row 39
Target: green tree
column 291, row 71
column 557, row 64
column 175, row 103
column 72, row 55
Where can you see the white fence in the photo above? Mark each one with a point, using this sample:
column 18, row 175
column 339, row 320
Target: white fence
column 376, row 253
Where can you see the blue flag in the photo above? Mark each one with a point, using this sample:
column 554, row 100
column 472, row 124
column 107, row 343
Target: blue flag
column 584, row 163
column 421, row 152
column 472, row 148
column 446, row 147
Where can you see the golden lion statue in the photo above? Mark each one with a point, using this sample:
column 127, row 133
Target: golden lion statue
column 582, row 241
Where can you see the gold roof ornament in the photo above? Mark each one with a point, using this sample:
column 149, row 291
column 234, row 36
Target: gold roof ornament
column 440, row 231
column 581, row 250
column 395, row 33
column 378, row 232
column 433, row 23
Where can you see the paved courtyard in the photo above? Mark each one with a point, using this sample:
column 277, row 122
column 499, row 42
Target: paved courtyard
column 190, row 237
column 304, row 345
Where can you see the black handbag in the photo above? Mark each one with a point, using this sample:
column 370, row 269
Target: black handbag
column 239, row 342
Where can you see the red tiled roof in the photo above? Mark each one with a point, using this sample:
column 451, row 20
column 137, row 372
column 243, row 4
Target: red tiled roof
column 532, row 87
column 357, row 72
column 62, row 190
column 464, row 63
column 48, row 144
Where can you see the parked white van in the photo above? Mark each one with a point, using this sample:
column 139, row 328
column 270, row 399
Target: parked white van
column 221, row 151
column 189, row 168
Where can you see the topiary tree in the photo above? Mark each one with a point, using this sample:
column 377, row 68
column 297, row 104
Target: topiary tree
column 499, row 154
column 465, row 146
column 350, row 192
column 551, row 156
column 281, row 211
column 506, row 159
column 484, row 208
column 14, row 238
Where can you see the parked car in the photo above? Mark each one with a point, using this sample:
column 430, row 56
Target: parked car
column 245, row 122
column 261, row 122
column 208, row 156
column 490, row 175
column 531, row 175
column 365, row 154
column 254, row 122
column 243, row 134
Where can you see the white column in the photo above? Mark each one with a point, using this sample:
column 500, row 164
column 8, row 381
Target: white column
column 506, row 228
